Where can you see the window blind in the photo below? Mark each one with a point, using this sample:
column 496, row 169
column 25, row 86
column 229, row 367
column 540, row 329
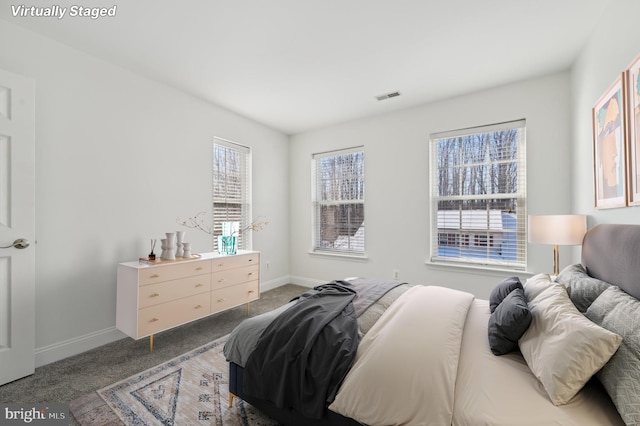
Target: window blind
column 231, row 188
column 338, row 201
column 478, row 195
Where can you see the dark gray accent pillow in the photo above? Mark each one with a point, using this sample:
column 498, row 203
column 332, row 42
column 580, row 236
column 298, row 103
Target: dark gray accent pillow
column 502, row 290
column 619, row 312
column 582, row 288
column 509, row 322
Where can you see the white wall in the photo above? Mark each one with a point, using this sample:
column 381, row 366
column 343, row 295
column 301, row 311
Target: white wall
column 118, row 158
column 396, row 168
column 612, row 47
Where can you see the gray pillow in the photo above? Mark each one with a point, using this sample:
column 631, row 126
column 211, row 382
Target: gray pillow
column 619, row 312
column 582, row 288
column 508, row 323
column 502, row 290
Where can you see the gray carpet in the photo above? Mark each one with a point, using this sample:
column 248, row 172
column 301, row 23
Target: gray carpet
column 79, row 375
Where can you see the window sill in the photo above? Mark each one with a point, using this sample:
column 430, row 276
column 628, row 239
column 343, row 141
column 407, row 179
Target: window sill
column 342, row 256
column 477, row 269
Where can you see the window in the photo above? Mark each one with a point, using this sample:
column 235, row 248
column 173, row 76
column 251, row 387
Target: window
column 231, row 188
column 338, row 201
column 478, row 196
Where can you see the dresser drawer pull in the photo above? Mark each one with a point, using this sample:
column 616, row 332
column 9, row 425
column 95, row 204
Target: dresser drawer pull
column 155, row 276
column 199, row 268
column 198, row 307
column 221, row 264
column 250, row 260
column 199, row 285
column 221, row 280
column 250, row 273
column 154, row 295
column 220, row 300
column 251, row 291
column 154, row 319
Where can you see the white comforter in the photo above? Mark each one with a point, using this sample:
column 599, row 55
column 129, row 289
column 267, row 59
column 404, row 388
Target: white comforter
column 406, row 365
column 427, row 361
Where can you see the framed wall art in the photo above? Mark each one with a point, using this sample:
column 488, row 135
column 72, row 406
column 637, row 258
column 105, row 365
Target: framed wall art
column 632, row 80
column 609, row 148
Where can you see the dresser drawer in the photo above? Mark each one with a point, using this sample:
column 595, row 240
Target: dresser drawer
column 154, row 294
column 166, row 315
column 235, row 276
column 172, row 271
column 235, row 295
column 229, row 262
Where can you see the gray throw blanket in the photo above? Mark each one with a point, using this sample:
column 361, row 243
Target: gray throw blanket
column 369, row 290
column 304, row 354
column 243, row 339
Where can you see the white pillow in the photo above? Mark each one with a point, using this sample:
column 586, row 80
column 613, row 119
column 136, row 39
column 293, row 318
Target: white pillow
column 562, row 347
column 536, row 285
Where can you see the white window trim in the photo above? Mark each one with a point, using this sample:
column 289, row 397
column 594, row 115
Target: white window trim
column 337, row 255
column 475, row 269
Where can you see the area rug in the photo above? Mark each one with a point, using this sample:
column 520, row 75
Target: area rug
column 190, row 389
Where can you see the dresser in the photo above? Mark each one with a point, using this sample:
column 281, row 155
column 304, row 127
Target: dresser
column 155, row 297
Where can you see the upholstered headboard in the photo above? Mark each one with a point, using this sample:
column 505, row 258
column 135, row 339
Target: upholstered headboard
column 611, row 253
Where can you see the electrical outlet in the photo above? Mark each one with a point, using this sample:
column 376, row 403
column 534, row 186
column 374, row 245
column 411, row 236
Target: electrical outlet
column 396, row 274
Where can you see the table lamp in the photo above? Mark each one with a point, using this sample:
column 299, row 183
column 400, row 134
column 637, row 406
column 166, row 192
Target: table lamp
column 558, row 230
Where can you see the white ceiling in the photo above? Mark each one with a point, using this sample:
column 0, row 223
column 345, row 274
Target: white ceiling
column 297, row 65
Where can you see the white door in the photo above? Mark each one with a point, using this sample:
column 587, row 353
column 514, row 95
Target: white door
column 17, row 226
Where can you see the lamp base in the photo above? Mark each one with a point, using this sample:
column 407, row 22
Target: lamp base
column 556, row 260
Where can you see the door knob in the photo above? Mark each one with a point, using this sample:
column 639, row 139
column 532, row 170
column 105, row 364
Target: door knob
column 20, row 243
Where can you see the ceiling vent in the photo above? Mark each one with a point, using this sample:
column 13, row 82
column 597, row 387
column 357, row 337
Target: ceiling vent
column 388, row 96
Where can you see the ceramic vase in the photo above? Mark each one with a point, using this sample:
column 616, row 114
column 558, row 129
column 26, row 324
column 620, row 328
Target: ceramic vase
column 163, row 246
column 186, row 250
column 171, row 246
column 179, row 241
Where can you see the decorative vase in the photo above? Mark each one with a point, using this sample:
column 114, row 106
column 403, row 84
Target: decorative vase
column 171, row 246
column 220, row 245
column 180, row 239
column 186, row 250
column 229, row 243
column 163, row 246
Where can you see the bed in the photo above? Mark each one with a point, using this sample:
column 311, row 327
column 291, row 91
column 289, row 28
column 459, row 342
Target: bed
column 559, row 350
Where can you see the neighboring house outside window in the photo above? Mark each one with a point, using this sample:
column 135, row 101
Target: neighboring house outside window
column 338, row 202
column 231, row 188
column 478, row 196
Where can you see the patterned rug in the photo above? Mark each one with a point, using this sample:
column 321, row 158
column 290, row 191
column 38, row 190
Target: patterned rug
column 190, row 389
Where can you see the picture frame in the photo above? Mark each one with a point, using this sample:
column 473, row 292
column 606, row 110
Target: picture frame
column 632, row 80
column 610, row 147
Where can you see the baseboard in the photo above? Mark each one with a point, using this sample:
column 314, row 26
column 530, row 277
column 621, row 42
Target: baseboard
column 306, row 282
column 76, row 345
column 271, row 284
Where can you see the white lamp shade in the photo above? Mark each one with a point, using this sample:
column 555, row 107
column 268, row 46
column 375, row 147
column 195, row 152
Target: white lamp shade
column 557, row 229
